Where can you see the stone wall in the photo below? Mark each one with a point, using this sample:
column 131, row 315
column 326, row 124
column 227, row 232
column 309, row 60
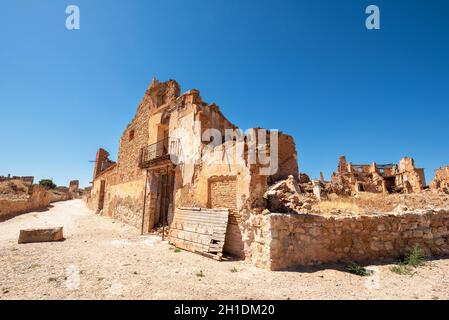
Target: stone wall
column 39, row 199
column 299, row 239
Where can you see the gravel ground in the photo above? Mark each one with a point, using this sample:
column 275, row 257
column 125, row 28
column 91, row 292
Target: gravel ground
column 105, row 259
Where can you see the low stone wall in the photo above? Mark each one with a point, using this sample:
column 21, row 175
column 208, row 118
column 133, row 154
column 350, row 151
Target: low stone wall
column 300, row 239
column 39, row 199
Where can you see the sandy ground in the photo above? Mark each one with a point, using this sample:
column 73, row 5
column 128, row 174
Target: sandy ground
column 105, row 259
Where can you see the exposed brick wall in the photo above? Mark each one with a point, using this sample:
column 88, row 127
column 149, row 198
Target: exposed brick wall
column 223, row 194
column 129, row 149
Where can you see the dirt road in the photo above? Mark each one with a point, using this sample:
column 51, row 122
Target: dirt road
column 105, row 259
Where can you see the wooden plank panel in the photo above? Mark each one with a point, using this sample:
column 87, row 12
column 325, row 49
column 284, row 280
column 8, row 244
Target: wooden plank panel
column 200, row 230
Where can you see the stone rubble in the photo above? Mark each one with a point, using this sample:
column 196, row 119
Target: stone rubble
column 286, row 196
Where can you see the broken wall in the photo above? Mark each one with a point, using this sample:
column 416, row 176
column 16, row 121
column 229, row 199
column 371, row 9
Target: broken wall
column 39, row 199
column 298, row 239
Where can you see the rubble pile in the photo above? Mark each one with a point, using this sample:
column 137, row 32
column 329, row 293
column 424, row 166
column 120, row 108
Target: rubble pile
column 288, row 196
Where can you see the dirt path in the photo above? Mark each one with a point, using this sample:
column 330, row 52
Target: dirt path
column 105, row 259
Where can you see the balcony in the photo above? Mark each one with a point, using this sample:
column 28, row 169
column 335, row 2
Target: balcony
column 159, row 153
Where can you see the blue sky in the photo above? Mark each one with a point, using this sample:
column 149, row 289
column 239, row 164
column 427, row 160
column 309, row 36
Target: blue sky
column 308, row 68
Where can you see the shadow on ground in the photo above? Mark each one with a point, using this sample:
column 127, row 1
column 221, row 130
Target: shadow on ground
column 8, row 216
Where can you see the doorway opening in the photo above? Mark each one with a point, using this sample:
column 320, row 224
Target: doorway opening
column 160, row 200
column 101, row 196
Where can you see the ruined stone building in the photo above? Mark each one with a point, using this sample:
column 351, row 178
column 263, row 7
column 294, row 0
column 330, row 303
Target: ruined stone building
column 441, row 180
column 387, row 178
column 183, row 166
column 175, row 154
column 74, row 189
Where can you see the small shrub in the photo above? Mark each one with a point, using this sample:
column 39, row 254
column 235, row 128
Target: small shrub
column 413, row 260
column 177, row 250
column 234, row 270
column 359, row 270
column 401, row 269
column 47, row 183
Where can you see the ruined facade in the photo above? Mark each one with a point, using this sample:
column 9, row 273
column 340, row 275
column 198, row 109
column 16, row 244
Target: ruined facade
column 403, row 177
column 441, row 180
column 177, row 152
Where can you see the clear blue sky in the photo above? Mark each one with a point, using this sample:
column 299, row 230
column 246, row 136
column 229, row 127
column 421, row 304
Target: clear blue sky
column 308, row 68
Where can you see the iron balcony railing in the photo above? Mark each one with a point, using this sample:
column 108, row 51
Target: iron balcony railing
column 164, row 149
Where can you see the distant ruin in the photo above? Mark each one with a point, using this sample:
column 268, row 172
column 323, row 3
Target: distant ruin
column 20, row 195
column 387, row 178
column 28, row 180
column 441, row 180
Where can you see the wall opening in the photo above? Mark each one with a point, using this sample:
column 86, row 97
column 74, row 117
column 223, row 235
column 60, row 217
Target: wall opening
column 102, row 194
column 160, row 200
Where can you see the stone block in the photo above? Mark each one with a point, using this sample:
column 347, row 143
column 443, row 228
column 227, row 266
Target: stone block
column 41, row 235
column 417, row 234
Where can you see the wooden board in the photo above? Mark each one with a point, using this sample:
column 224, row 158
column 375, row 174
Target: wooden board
column 200, row 230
